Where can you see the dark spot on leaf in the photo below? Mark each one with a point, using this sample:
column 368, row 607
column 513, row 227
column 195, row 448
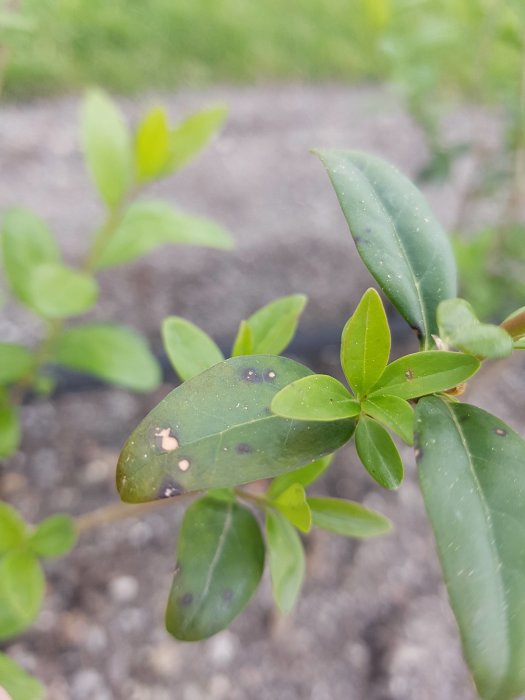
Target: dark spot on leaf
column 185, row 600
column 500, row 432
column 227, row 595
column 268, row 410
column 170, row 488
column 409, row 374
column 250, row 375
column 243, row 448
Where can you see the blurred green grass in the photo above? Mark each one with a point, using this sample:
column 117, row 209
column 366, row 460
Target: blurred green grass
column 131, row 45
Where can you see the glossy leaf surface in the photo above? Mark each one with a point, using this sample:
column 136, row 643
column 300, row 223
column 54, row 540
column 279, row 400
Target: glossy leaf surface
column 57, row 291
column 216, row 430
column 316, row 398
column 378, row 453
column 15, row 362
column 21, row 592
column 220, row 560
column 347, row 518
column 190, row 349
column 53, row 537
column 394, row 413
column 287, row 561
column 149, row 223
column 396, row 235
column 107, row 146
column 365, row 343
column 304, row 476
column 460, row 328
column 112, row 353
column 471, row 468
column 425, row 373
column 27, row 243
column 19, row 684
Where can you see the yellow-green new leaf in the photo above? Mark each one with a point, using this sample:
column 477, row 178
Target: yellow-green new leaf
column 193, row 134
column 305, row 476
column 315, row 398
column 243, row 343
column 21, row 592
column 394, row 413
column 287, row 561
column 378, row 453
column 273, row 326
column 152, row 145
column 347, row 518
column 57, row 291
column 292, row 504
column 15, row 362
column 53, row 537
column 107, row 147
column 365, row 343
column 19, row 684
column 190, row 349
column 13, row 530
column 10, row 432
column 425, row 373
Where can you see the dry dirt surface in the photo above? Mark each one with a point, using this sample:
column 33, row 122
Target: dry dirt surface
column 373, row 621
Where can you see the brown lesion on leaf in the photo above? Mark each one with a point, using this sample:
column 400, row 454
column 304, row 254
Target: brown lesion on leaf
column 457, row 390
column 170, row 488
column 168, row 442
column 251, row 375
column 409, row 374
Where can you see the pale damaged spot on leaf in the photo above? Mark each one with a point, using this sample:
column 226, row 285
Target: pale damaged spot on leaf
column 409, row 374
column 184, row 465
column 168, row 442
column 170, row 488
column 500, row 432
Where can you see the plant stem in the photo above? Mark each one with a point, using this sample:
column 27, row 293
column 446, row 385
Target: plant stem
column 515, row 326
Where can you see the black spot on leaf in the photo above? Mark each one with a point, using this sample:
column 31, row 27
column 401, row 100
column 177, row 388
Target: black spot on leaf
column 185, row 600
column 170, row 488
column 251, row 375
column 243, row 448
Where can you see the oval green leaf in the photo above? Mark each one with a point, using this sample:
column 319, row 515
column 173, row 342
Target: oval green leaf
column 21, row 592
column 216, row 430
column 152, row 144
column 273, row 326
column 315, row 398
column 57, row 291
column 190, row 349
column 243, row 343
column 378, row 453
column 13, row 530
column 193, row 134
column 460, row 328
column 27, row 243
column 347, row 518
column 107, row 146
column 112, row 353
column 19, row 684
column 15, row 362
column 365, row 343
column 396, row 235
column 305, row 476
column 287, row 561
column 53, row 537
column 394, row 413
column 220, row 560
column 148, row 224
column 425, row 373
column 292, row 504
column 472, row 474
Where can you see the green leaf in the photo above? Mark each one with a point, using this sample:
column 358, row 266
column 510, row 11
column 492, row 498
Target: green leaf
column 365, row 343
column 378, row 453
column 15, row 362
column 193, row 134
column 519, row 344
column 460, row 328
column 112, row 353
column 13, row 530
column 152, row 144
column 220, row 560
column 10, row 433
column 315, row 398
column 396, row 235
column 148, row 224
column 292, row 504
column 347, row 518
column 471, row 468
column 107, row 147
column 425, row 373
column 216, row 430
column 57, row 291
column 287, row 562
column 305, row 476
column 394, row 413
column 243, row 343
column 19, row 684
column 26, row 243
column 21, row 592
column 190, row 349
column 53, row 537
column 273, row 326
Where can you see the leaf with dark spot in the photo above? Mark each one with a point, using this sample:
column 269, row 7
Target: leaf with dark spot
column 221, row 553
column 212, row 415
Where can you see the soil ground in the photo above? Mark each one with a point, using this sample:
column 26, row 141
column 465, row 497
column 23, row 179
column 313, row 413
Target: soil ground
column 373, row 622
